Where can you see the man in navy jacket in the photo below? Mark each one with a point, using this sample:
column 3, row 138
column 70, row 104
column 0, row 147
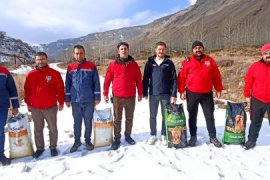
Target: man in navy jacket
column 160, row 82
column 82, row 93
column 8, row 91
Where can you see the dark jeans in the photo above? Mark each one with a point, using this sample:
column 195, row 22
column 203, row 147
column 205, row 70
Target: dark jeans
column 258, row 110
column 118, row 105
column 3, row 120
column 207, row 103
column 83, row 111
column 153, row 104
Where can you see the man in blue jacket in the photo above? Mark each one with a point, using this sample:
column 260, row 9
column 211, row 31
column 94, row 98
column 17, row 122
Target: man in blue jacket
column 8, row 91
column 82, row 93
column 160, row 79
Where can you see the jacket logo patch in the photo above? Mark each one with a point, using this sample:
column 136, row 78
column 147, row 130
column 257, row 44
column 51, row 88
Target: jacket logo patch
column 207, row 63
column 48, row 78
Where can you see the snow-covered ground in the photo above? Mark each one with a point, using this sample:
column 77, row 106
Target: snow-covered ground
column 142, row 161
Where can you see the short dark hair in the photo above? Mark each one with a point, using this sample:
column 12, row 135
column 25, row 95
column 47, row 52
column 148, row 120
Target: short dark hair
column 42, row 54
column 122, row 43
column 78, row 47
column 160, row 43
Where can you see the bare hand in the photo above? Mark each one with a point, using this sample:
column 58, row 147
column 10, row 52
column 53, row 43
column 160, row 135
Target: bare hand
column 68, row 104
column 61, row 107
column 15, row 111
column 139, row 98
column 173, row 100
column 145, row 97
column 218, row 94
column 183, row 96
column 248, row 104
column 97, row 102
column 106, row 99
column 29, row 108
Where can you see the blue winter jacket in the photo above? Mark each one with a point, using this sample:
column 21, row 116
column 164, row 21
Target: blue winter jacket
column 159, row 80
column 8, row 90
column 82, row 82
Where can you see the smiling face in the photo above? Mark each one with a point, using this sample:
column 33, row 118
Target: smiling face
column 266, row 56
column 41, row 61
column 198, row 51
column 160, row 51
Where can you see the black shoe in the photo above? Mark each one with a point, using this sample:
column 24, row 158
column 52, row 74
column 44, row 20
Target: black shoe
column 89, row 146
column 192, row 141
column 115, row 145
column 216, row 142
column 130, row 140
column 38, row 153
column 75, row 147
column 249, row 144
column 4, row 160
column 54, row 152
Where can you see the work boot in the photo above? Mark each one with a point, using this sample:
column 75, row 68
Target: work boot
column 4, row 160
column 216, row 142
column 38, row 153
column 89, row 146
column 115, row 145
column 130, row 140
column 54, row 152
column 192, row 141
column 249, row 144
column 75, row 147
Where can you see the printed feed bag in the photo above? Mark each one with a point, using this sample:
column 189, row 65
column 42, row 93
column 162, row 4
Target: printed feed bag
column 176, row 129
column 19, row 132
column 235, row 123
column 103, row 127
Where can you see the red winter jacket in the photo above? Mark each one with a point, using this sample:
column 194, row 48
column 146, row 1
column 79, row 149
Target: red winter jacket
column 125, row 77
column 199, row 76
column 44, row 88
column 257, row 82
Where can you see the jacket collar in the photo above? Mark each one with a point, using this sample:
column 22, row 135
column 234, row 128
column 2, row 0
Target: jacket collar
column 119, row 61
column 80, row 62
column 192, row 57
column 152, row 58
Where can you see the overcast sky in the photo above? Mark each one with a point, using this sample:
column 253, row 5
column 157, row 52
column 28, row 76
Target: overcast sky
column 44, row 21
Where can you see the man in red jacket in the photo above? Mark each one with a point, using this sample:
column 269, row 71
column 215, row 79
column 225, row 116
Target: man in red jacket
column 125, row 75
column 257, row 94
column 196, row 79
column 43, row 88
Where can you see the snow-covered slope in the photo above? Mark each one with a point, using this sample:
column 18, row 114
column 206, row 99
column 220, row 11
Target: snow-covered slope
column 143, row 161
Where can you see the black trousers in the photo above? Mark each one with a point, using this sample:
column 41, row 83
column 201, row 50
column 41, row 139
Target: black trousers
column 207, row 103
column 258, row 110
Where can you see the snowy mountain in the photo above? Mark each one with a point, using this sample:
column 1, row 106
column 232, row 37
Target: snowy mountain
column 13, row 46
column 218, row 23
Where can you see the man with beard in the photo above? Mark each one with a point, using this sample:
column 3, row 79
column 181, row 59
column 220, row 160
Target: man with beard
column 257, row 94
column 196, row 78
column 161, row 80
column 44, row 89
column 82, row 94
column 125, row 75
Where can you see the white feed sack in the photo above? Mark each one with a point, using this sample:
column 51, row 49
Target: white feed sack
column 19, row 132
column 103, row 127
